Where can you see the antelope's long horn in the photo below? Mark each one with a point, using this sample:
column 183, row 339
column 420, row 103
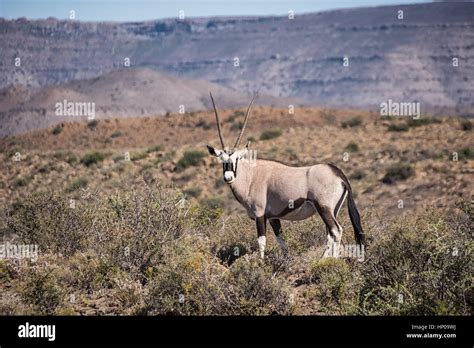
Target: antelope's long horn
column 237, row 142
column 217, row 121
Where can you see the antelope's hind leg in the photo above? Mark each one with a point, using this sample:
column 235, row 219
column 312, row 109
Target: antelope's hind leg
column 333, row 230
column 276, row 226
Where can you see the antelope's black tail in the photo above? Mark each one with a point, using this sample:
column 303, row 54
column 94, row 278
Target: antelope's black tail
column 351, row 205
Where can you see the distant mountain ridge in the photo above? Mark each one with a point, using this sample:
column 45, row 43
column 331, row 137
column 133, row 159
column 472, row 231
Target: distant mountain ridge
column 409, row 59
column 121, row 93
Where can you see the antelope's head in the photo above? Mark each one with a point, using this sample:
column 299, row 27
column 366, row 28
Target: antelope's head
column 229, row 157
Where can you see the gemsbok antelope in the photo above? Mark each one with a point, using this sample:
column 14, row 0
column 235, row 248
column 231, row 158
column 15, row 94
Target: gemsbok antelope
column 273, row 191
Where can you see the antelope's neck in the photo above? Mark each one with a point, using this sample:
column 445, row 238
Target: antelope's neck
column 241, row 186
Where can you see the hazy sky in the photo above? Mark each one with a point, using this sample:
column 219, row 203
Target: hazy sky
column 139, row 10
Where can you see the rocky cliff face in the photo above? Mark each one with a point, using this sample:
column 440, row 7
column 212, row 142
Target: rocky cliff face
column 409, row 59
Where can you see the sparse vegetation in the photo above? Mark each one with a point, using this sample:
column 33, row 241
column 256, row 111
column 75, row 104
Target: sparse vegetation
column 156, row 148
column 116, row 134
column 465, row 153
column 466, row 125
column 71, row 158
column 236, row 126
column 352, row 147
column 137, row 156
column 126, row 248
column 149, row 252
column 271, row 134
column 77, row 184
column 57, row 129
column 398, row 127
column 194, row 192
column 213, row 202
column 92, row 125
column 92, row 158
column 190, row 158
column 358, row 174
column 352, row 122
column 22, row 181
column 422, row 121
column 398, row 172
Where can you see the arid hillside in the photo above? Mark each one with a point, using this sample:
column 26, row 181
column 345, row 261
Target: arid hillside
column 131, row 216
column 396, row 165
column 120, row 93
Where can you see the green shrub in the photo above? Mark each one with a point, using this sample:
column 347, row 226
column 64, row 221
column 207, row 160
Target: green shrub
column 198, row 285
column 57, row 129
column 236, row 114
column 465, row 153
column 116, row 134
column 92, row 158
column 42, row 292
column 193, row 191
column 147, row 251
column 118, row 158
column 255, row 290
column 22, row 181
column 271, row 134
column 213, row 202
column 352, row 122
column 352, row 147
column 358, row 174
column 190, row 158
column 236, row 126
column 77, row 184
column 156, row 148
column 138, row 156
column 146, row 222
column 71, row 158
column 50, row 222
column 398, row 127
column 337, row 285
column 92, row 124
column 419, row 266
column 466, row 125
column 398, row 172
column 45, row 169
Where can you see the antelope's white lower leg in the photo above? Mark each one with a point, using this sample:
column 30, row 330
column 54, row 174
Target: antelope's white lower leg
column 262, row 241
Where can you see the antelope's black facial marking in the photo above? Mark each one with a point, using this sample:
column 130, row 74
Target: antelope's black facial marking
column 229, row 170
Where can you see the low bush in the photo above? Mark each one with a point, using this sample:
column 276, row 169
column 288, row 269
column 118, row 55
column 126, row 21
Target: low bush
column 271, row 134
column 193, row 192
column 352, row 122
column 57, row 129
column 77, row 184
column 466, row 125
column 148, row 251
column 92, row 158
column 190, row 158
column 398, row 127
column 398, row 172
column 92, row 125
column 352, row 147
column 465, row 153
column 116, row 134
column 358, row 174
column 50, row 222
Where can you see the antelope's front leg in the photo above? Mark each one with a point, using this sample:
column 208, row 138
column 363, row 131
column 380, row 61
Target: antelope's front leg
column 261, row 231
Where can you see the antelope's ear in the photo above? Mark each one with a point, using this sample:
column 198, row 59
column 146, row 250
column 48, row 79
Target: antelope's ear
column 213, row 151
